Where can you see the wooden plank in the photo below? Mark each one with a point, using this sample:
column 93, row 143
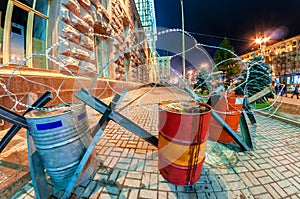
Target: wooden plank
column 259, row 95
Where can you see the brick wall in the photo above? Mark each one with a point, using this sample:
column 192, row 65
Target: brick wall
column 78, row 21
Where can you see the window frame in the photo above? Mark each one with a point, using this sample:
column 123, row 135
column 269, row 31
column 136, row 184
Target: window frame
column 29, row 32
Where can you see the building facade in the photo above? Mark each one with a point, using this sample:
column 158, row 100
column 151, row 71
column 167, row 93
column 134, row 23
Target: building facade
column 147, row 15
column 284, row 59
column 63, row 45
column 164, row 68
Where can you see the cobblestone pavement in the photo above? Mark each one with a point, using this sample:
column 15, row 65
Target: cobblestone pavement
column 128, row 167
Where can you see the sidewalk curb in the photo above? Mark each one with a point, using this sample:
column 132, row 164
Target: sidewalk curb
column 279, row 118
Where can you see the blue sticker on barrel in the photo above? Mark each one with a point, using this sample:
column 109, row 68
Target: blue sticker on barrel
column 47, row 126
column 81, row 116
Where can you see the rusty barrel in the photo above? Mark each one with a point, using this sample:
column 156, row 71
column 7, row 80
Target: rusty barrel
column 182, row 143
column 229, row 108
column 61, row 138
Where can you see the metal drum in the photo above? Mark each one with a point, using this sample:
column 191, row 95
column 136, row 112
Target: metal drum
column 229, row 108
column 61, row 138
column 182, row 144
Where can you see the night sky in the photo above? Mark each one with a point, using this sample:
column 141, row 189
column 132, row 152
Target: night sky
column 240, row 21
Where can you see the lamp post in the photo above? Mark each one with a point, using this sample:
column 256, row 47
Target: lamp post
column 261, row 41
column 183, row 44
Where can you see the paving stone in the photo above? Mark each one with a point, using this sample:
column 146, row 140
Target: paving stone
column 264, row 196
column 232, row 177
column 249, row 166
column 287, row 174
column 252, row 179
column 272, row 175
column 295, row 197
column 247, row 194
column 254, row 165
column 162, row 195
column 265, row 180
column 166, row 187
column 260, row 161
column 241, row 169
column 246, row 180
column 132, row 183
column 133, row 193
column 153, row 181
column 216, row 186
column 295, row 183
column 258, row 174
column 273, row 193
column 172, row 195
column 146, row 180
column 89, row 189
column 124, row 194
column 257, row 190
column 235, row 185
column 112, row 190
column 211, row 195
column 279, row 190
column 114, row 175
column 293, row 168
column 283, row 183
column 203, row 179
column 222, row 194
column 278, row 174
column 134, row 175
column 182, row 195
column 79, row 190
column 145, row 193
column 291, row 190
column 281, row 169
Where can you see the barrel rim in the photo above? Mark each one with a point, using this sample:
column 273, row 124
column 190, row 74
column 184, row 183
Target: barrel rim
column 76, row 107
column 184, row 113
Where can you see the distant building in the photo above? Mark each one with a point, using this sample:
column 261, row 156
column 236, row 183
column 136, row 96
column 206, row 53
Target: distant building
column 164, row 67
column 284, row 59
column 147, row 15
column 85, row 38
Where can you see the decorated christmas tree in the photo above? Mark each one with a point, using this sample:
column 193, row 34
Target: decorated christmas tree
column 255, row 78
column 202, row 80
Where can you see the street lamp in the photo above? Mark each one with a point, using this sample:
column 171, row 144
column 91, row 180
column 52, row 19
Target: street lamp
column 261, row 41
column 183, row 45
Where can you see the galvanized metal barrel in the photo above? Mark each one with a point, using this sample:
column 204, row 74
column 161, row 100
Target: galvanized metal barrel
column 61, row 139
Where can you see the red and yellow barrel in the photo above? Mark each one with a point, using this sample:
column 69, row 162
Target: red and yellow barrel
column 182, row 143
column 229, row 108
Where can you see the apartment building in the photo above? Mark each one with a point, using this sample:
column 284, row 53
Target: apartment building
column 284, row 59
